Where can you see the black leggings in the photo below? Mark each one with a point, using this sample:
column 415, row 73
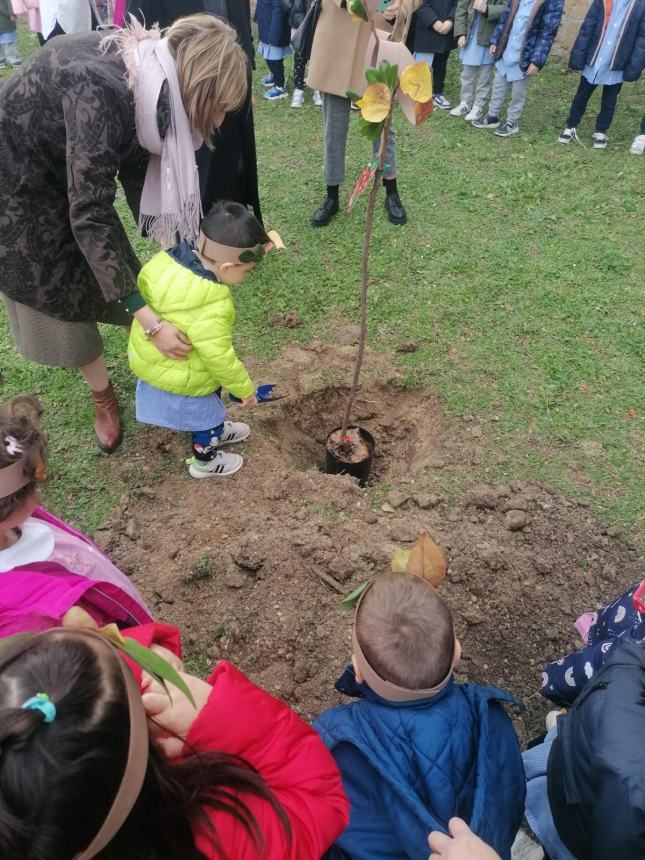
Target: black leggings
column 607, row 104
column 439, row 63
column 276, row 67
column 299, row 66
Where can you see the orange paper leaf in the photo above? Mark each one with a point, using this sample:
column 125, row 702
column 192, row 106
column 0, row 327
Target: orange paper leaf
column 423, row 111
column 375, row 104
column 425, row 559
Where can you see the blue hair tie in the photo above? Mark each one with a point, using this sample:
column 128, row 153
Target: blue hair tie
column 40, row 702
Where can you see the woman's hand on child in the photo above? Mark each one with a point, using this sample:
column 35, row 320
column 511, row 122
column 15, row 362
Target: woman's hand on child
column 249, row 401
column 462, row 844
column 171, row 342
column 171, row 719
column 532, row 70
column 461, row 41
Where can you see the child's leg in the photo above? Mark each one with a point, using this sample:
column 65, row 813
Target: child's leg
column 276, row 67
column 206, row 442
column 519, row 92
column 299, row 66
column 607, row 106
column 468, row 78
column 439, row 65
column 498, row 94
column 579, row 103
column 483, row 84
column 12, row 54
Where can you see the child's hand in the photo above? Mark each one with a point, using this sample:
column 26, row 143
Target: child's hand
column 480, row 6
column 532, row 70
column 463, row 845
column 447, row 27
column 492, row 50
column 173, row 717
column 249, row 401
column 438, row 27
column 168, row 656
column 461, row 41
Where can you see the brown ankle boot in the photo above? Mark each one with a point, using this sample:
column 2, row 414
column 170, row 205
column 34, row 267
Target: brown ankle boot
column 107, row 425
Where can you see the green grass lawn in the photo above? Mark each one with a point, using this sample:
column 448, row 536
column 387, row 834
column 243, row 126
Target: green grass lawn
column 520, row 273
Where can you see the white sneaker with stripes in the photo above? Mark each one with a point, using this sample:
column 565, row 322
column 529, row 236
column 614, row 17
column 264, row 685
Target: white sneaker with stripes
column 222, row 465
column 233, row 432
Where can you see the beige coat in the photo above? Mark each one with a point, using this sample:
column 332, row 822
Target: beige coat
column 337, row 61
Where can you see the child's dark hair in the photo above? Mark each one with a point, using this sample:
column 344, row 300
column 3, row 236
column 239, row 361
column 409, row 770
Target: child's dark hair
column 58, row 780
column 231, row 223
column 21, row 437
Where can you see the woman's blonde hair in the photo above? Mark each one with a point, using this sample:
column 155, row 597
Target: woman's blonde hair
column 212, row 69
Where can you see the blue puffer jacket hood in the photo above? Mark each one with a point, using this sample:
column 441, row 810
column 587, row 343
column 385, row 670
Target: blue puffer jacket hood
column 454, row 754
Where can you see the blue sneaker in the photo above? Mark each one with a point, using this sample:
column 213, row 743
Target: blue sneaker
column 507, row 129
column 486, row 122
column 267, row 81
column 276, row 93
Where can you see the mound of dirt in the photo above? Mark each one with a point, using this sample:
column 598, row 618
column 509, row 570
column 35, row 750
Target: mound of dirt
column 252, row 568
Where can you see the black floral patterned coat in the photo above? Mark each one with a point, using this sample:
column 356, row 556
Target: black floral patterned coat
column 67, row 131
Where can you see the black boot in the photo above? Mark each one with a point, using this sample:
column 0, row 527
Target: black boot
column 325, row 212
column 394, row 208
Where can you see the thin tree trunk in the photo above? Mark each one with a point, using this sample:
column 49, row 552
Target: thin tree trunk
column 365, row 275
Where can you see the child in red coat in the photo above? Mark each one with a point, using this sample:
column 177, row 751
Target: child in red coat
column 240, row 776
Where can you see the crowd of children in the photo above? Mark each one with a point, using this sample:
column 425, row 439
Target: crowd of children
column 96, row 758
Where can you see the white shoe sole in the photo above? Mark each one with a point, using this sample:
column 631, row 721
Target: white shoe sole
column 199, row 473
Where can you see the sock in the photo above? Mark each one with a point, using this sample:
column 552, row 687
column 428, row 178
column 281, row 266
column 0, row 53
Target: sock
column 390, row 186
column 332, row 192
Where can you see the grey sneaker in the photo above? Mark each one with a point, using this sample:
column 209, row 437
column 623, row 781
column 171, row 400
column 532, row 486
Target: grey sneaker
column 599, row 140
column 233, row 432
column 568, row 135
column 222, row 465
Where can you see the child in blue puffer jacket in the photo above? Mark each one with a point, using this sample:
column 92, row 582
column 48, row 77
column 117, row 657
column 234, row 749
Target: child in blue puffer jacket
column 416, row 749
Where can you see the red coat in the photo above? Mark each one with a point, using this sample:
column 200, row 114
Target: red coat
column 241, row 719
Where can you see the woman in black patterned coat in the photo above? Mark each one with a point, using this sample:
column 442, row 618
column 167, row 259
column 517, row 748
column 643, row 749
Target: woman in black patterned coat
column 67, row 132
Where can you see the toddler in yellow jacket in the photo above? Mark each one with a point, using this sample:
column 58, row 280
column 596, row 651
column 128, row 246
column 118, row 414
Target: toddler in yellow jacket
column 190, row 288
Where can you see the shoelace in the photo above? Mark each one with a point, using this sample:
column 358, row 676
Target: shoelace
column 577, row 139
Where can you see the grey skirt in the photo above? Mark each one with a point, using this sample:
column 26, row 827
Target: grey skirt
column 57, row 343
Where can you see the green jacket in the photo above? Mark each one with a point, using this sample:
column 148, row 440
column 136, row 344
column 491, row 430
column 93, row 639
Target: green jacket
column 465, row 14
column 7, row 25
column 203, row 310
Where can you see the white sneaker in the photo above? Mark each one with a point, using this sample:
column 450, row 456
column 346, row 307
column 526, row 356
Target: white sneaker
column 475, row 113
column 222, row 465
column 234, row 431
column 441, row 102
column 317, row 98
column 638, row 145
column 568, row 135
column 599, row 140
column 461, row 110
column 298, row 98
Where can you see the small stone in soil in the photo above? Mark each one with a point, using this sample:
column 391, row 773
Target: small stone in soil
column 428, row 500
column 387, row 508
column 396, row 498
column 515, row 520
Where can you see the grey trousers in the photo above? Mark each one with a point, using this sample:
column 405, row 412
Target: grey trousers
column 519, row 92
column 336, row 110
column 475, row 80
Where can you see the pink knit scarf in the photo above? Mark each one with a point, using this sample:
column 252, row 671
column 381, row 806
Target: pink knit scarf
column 170, row 202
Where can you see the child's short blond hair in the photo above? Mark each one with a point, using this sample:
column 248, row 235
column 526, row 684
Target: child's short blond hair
column 405, row 631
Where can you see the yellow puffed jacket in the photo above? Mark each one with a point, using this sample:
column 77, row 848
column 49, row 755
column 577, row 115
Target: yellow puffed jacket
column 202, row 309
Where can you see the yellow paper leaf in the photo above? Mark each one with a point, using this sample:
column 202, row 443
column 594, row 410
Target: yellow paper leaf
column 112, row 633
column 400, row 559
column 276, row 238
column 416, row 82
column 375, row 104
column 427, row 560
column 79, row 619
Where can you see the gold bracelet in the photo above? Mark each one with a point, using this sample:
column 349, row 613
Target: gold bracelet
column 154, row 329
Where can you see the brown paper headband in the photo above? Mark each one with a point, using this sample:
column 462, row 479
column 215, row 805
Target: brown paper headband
column 387, row 689
column 13, row 478
column 218, row 253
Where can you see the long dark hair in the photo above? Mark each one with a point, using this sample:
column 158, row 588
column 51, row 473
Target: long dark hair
column 58, row 779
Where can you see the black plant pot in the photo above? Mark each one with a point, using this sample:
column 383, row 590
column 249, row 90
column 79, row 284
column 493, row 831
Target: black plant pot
column 335, row 465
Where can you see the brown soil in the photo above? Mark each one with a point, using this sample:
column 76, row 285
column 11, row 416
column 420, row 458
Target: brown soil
column 252, row 568
column 353, row 448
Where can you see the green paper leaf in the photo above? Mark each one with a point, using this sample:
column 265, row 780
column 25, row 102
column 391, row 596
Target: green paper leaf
column 392, row 76
column 372, row 76
column 352, row 96
column 252, row 255
column 357, row 8
column 352, row 599
column 154, row 665
column 371, row 130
